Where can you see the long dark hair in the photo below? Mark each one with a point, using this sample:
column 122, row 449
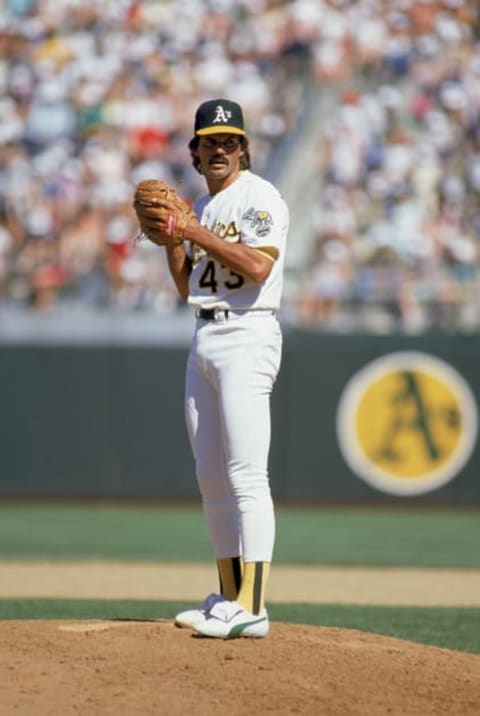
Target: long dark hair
column 244, row 160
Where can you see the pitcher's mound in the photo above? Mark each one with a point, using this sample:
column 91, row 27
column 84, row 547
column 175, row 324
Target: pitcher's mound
column 138, row 667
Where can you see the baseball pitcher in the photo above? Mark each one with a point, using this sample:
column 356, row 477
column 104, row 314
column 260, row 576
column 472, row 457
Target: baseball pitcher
column 226, row 258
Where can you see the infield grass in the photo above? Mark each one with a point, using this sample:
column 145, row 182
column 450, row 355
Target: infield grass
column 313, row 536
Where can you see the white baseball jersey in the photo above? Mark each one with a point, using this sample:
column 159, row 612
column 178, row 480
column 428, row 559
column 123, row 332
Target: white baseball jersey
column 250, row 210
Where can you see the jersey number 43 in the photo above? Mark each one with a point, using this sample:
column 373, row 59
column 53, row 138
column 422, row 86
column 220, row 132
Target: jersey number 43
column 209, row 280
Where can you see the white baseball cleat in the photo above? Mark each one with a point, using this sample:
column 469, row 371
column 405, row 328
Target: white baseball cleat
column 191, row 617
column 228, row 620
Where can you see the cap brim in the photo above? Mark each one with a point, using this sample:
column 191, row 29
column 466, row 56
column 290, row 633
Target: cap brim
column 224, row 129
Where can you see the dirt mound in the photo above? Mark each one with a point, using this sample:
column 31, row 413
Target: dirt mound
column 139, row 667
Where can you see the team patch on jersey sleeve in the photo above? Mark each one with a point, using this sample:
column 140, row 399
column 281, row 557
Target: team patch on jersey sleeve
column 261, row 221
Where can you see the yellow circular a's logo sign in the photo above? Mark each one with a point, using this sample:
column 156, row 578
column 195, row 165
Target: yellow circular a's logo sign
column 407, row 423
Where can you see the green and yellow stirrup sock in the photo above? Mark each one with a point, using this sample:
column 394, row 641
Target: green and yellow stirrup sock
column 252, row 592
column 230, row 576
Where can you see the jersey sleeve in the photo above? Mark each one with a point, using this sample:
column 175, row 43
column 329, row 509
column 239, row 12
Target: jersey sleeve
column 263, row 220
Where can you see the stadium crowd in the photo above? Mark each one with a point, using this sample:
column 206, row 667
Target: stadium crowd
column 96, row 96
column 397, row 223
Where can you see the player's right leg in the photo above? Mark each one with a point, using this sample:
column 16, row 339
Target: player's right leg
column 204, row 430
column 220, row 507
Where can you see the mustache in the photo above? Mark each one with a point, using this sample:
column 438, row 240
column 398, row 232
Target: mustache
column 218, row 159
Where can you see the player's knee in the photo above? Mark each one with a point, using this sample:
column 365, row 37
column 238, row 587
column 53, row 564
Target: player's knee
column 253, row 485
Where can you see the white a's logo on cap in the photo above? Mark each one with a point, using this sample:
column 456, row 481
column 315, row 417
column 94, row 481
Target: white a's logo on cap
column 221, row 114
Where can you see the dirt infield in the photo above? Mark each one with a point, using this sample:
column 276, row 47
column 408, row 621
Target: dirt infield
column 58, row 668
column 183, row 582
column 124, row 667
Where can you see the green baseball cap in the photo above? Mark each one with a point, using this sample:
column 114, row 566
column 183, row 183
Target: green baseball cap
column 219, row 116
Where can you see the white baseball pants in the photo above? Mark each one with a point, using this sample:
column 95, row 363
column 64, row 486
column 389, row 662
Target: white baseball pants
column 231, row 369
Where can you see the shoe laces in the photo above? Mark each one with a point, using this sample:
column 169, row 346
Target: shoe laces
column 225, row 610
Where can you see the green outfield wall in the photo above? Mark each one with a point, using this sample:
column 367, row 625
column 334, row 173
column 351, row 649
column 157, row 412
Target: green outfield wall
column 355, row 418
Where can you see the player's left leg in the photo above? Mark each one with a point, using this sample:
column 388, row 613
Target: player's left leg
column 245, row 387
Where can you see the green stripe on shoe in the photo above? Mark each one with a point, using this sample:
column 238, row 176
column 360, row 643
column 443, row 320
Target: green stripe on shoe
column 238, row 629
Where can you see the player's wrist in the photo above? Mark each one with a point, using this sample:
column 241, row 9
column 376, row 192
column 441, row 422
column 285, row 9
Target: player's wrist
column 201, row 236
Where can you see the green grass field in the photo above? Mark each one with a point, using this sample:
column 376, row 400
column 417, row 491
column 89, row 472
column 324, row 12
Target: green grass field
column 314, row 536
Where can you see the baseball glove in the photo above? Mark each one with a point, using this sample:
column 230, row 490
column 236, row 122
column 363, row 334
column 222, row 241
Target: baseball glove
column 163, row 216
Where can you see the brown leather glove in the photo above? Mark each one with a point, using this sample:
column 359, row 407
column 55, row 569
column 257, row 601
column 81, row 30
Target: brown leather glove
column 163, row 216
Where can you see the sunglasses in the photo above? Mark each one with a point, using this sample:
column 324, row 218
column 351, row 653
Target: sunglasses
column 229, row 145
